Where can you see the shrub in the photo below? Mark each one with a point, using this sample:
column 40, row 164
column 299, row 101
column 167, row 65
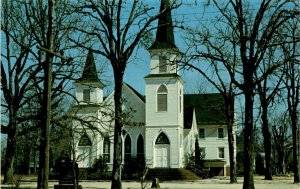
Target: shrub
column 133, row 168
column 199, row 168
column 99, row 170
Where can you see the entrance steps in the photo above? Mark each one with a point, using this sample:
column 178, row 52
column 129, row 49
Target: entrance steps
column 171, row 174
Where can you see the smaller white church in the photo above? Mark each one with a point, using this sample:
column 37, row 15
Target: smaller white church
column 161, row 126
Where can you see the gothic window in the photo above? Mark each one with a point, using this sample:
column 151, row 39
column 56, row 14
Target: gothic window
column 106, row 149
column 85, row 140
column 86, row 95
column 162, row 139
column 140, row 147
column 162, row 64
column 220, row 133
column 162, row 99
column 127, row 146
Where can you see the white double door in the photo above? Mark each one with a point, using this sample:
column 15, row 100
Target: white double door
column 162, row 155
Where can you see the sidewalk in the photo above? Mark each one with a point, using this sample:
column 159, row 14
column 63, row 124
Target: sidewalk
column 217, row 183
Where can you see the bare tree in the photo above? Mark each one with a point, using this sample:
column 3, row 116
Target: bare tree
column 282, row 143
column 292, row 84
column 118, row 27
column 47, row 34
column 267, row 89
column 17, row 74
column 252, row 31
column 25, row 27
column 216, row 60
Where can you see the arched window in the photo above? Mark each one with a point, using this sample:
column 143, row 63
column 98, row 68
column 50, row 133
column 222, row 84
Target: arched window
column 140, row 147
column 106, row 149
column 162, row 139
column 127, row 150
column 162, row 99
column 85, row 140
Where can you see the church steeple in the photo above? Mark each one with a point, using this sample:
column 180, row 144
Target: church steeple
column 165, row 35
column 89, row 74
column 88, row 88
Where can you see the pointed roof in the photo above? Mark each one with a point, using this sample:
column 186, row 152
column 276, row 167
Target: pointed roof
column 89, row 74
column 164, row 35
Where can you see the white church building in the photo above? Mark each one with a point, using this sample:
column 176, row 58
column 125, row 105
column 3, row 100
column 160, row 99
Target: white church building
column 161, row 126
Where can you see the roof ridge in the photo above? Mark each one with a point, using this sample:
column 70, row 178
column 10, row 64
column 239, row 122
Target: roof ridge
column 135, row 91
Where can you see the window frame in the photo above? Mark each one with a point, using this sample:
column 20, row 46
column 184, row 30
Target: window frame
column 162, row 106
column 86, row 95
column 140, row 148
column 221, row 136
column 162, row 64
column 162, row 138
column 85, row 141
column 221, row 152
column 203, row 133
column 106, row 154
column 127, row 149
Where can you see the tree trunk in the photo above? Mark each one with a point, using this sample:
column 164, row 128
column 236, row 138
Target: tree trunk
column 230, row 123
column 267, row 141
column 296, row 159
column 117, row 160
column 232, row 159
column 27, row 154
column 248, row 130
column 197, row 153
column 10, row 155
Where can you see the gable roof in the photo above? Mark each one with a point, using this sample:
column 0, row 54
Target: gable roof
column 135, row 92
column 209, row 109
column 131, row 88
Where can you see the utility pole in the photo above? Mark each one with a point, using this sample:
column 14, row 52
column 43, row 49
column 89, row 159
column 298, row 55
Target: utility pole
column 46, row 119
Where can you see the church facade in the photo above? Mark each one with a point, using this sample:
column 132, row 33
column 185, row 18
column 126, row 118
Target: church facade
column 161, row 126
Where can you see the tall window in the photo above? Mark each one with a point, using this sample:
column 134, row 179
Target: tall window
column 201, row 133
column 221, row 152
column 127, row 146
column 162, row 99
column 220, row 132
column 106, row 149
column 162, row 64
column 86, row 95
column 85, row 140
column 140, row 147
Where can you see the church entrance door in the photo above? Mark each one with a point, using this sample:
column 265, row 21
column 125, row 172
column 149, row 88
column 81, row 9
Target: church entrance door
column 162, row 155
column 162, row 151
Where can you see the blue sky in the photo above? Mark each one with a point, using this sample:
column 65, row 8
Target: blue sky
column 190, row 13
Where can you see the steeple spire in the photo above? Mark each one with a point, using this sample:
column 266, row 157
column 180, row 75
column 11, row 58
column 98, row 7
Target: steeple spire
column 89, row 73
column 165, row 35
